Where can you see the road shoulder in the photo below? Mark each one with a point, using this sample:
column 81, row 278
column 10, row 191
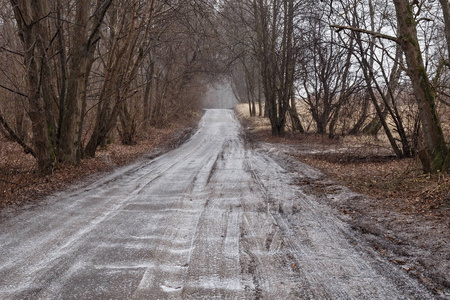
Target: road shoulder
column 409, row 239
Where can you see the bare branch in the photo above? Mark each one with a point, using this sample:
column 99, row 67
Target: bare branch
column 101, row 11
column 11, row 51
column 40, row 19
column 443, row 101
column 16, row 138
column 373, row 33
column 13, row 91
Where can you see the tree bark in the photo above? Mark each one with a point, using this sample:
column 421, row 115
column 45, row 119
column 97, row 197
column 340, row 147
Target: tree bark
column 16, row 137
column 295, row 119
column 363, row 117
column 30, row 17
column 434, row 143
column 446, row 12
column 148, row 92
column 368, row 77
column 123, row 63
column 84, row 36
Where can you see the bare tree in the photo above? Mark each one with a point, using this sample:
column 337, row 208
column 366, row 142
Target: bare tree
column 83, row 62
column 434, row 152
column 35, row 33
column 127, row 44
column 275, row 44
column 84, row 37
column 434, row 155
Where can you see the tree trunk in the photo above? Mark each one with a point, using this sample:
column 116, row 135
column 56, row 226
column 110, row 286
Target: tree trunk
column 435, row 155
column 374, row 125
column 368, row 77
column 295, row 120
column 249, row 90
column 83, row 37
column 78, row 70
column 332, row 124
column 19, row 119
column 128, row 126
column 147, row 93
column 446, row 12
column 30, row 18
column 363, row 117
column 253, row 105
column 260, row 95
column 123, row 63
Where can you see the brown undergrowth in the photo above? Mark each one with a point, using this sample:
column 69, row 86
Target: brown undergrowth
column 20, row 184
column 368, row 166
column 399, row 184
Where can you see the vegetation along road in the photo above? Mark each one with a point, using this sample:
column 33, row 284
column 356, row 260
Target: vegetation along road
column 213, row 219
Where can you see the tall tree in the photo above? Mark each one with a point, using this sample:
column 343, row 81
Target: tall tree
column 84, row 37
column 434, row 156
column 125, row 50
column 32, row 19
column 274, row 27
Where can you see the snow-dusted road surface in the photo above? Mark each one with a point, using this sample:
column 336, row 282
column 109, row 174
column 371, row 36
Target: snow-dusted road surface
column 209, row 220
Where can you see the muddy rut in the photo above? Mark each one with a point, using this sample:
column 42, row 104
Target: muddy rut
column 209, row 220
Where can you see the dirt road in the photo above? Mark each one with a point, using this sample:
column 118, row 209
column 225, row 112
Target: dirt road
column 209, row 220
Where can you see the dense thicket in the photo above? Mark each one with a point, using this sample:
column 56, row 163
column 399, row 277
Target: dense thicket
column 73, row 72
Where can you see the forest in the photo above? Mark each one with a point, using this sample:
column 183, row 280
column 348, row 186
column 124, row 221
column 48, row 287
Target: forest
column 277, row 149
column 77, row 75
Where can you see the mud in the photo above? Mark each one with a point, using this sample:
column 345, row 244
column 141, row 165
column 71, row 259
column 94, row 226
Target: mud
column 211, row 219
column 416, row 243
